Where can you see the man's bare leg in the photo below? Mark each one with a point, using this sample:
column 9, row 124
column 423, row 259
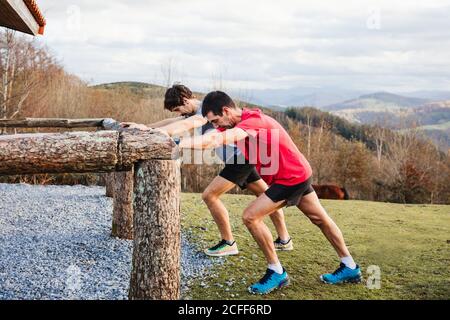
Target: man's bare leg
column 348, row 270
column 253, row 218
column 277, row 217
column 309, row 205
column 312, row 208
column 211, row 197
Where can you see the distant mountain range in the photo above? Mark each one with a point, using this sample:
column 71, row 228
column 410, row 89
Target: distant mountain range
column 428, row 111
column 399, row 112
column 393, row 110
column 324, row 97
column 377, row 101
column 432, row 95
column 300, row 97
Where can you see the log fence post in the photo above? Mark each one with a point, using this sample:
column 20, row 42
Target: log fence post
column 156, row 257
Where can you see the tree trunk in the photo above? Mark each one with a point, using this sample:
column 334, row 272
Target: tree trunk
column 109, row 184
column 122, row 224
column 156, row 256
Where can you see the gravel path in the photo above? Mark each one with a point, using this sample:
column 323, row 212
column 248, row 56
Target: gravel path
column 55, row 244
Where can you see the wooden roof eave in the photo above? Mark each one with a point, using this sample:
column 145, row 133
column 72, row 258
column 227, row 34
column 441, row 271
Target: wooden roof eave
column 15, row 14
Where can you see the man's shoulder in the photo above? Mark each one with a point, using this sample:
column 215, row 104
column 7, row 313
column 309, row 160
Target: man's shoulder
column 252, row 113
column 255, row 118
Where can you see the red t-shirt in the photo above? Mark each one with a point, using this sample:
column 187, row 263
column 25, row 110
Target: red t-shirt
column 272, row 150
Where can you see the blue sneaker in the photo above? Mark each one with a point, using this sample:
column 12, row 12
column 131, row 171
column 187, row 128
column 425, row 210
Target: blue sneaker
column 343, row 274
column 270, row 282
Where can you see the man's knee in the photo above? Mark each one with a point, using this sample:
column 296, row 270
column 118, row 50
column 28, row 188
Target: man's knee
column 248, row 217
column 319, row 220
column 315, row 213
column 209, row 196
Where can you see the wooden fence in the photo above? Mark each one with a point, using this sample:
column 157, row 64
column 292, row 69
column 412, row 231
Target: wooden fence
column 145, row 182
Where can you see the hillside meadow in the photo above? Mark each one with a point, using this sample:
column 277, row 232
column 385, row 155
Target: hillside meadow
column 409, row 243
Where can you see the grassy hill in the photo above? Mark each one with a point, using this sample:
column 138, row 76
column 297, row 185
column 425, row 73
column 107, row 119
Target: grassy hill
column 139, row 88
column 410, row 244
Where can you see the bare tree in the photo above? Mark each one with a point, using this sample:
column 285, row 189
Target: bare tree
column 411, row 167
column 378, row 134
column 167, row 70
column 22, row 64
column 309, row 125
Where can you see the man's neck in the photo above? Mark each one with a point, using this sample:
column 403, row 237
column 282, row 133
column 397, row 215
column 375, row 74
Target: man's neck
column 194, row 105
column 237, row 116
column 197, row 104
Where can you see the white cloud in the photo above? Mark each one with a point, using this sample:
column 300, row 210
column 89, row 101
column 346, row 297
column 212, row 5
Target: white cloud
column 255, row 44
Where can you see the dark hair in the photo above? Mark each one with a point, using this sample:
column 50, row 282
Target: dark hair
column 175, row 95
column 215, row 101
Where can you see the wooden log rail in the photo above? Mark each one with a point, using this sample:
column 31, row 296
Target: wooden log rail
column 80, row 152
column 149, row 160
column 104, row 123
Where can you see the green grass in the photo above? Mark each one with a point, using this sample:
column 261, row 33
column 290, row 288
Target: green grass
column 410, row 244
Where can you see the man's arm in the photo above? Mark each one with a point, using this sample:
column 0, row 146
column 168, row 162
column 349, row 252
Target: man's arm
column 173, row 126
column 213, row 139
column 184, row 125
column 165, row 122
column 162, row 123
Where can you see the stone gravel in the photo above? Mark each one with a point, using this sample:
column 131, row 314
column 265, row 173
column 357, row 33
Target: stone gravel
column 55, row 244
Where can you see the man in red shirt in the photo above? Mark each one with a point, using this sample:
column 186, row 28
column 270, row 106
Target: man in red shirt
column 180, row 100
column 265, row 143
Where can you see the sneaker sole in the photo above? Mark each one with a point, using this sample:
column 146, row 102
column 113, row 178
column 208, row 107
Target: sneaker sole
column 352, row 280
column 222, row 254
column 284, row 249
column 283, row 284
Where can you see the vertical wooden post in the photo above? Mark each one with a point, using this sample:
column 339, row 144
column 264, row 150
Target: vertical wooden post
column 109, row 183
column 156, row 255
column 122, row 222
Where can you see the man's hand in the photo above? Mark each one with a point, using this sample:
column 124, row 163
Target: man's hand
column 132, row 125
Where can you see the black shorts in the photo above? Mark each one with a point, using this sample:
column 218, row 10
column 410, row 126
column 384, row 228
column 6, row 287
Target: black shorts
column 292, row 194
column 240, row 174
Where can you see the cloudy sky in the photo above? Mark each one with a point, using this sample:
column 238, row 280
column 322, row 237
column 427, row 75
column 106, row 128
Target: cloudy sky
column 255, row 44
